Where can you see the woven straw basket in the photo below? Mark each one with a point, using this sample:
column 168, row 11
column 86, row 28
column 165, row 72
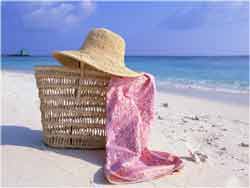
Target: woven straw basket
column 72, row 106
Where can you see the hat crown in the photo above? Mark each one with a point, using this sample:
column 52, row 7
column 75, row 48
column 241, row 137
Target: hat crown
column 106, row 43
column 103, row 50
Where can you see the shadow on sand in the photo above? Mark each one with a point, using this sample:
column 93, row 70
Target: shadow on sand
column 25, row 137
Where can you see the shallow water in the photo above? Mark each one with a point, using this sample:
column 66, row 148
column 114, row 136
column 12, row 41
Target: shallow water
column 228, row 76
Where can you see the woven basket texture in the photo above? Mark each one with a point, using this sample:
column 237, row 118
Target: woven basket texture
column 73, row 106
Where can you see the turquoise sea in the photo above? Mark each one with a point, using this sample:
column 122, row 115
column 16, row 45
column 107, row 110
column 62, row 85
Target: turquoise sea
column 228, row 74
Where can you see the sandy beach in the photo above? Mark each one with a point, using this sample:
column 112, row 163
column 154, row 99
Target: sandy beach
column 218, row 129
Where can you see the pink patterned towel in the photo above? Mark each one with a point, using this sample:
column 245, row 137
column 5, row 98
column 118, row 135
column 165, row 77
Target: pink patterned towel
column 130, row 113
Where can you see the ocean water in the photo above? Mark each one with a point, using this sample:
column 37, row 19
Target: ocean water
column 226, row 74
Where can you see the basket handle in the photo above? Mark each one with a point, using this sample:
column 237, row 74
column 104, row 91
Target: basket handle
column 82, row 73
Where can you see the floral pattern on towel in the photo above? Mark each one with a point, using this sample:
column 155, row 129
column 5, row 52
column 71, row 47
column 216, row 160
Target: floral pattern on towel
column 130, row 111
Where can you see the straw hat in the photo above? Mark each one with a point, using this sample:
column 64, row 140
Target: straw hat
column 102, row 49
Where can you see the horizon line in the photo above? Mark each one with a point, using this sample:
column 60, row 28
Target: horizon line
column 137, row 55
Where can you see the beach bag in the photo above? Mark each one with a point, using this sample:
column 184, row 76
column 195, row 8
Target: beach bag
column 72, row 104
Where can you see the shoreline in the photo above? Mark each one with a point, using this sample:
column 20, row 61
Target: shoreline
column 239, row 98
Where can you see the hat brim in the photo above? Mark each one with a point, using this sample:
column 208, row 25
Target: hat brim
column 70, row 59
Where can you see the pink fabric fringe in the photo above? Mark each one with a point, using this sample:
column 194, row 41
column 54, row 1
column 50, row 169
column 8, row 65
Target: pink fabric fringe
column 130, row 112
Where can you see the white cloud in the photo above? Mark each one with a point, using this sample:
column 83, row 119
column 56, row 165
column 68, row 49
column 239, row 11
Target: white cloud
column 88, row 6
column 217, row 14
column 57, row 16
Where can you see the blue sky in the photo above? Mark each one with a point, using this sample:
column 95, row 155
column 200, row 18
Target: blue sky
column 149, row 28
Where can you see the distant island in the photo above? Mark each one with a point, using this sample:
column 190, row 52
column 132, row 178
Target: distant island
column 22, row 53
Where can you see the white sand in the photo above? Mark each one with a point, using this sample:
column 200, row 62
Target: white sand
column 219, row 130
